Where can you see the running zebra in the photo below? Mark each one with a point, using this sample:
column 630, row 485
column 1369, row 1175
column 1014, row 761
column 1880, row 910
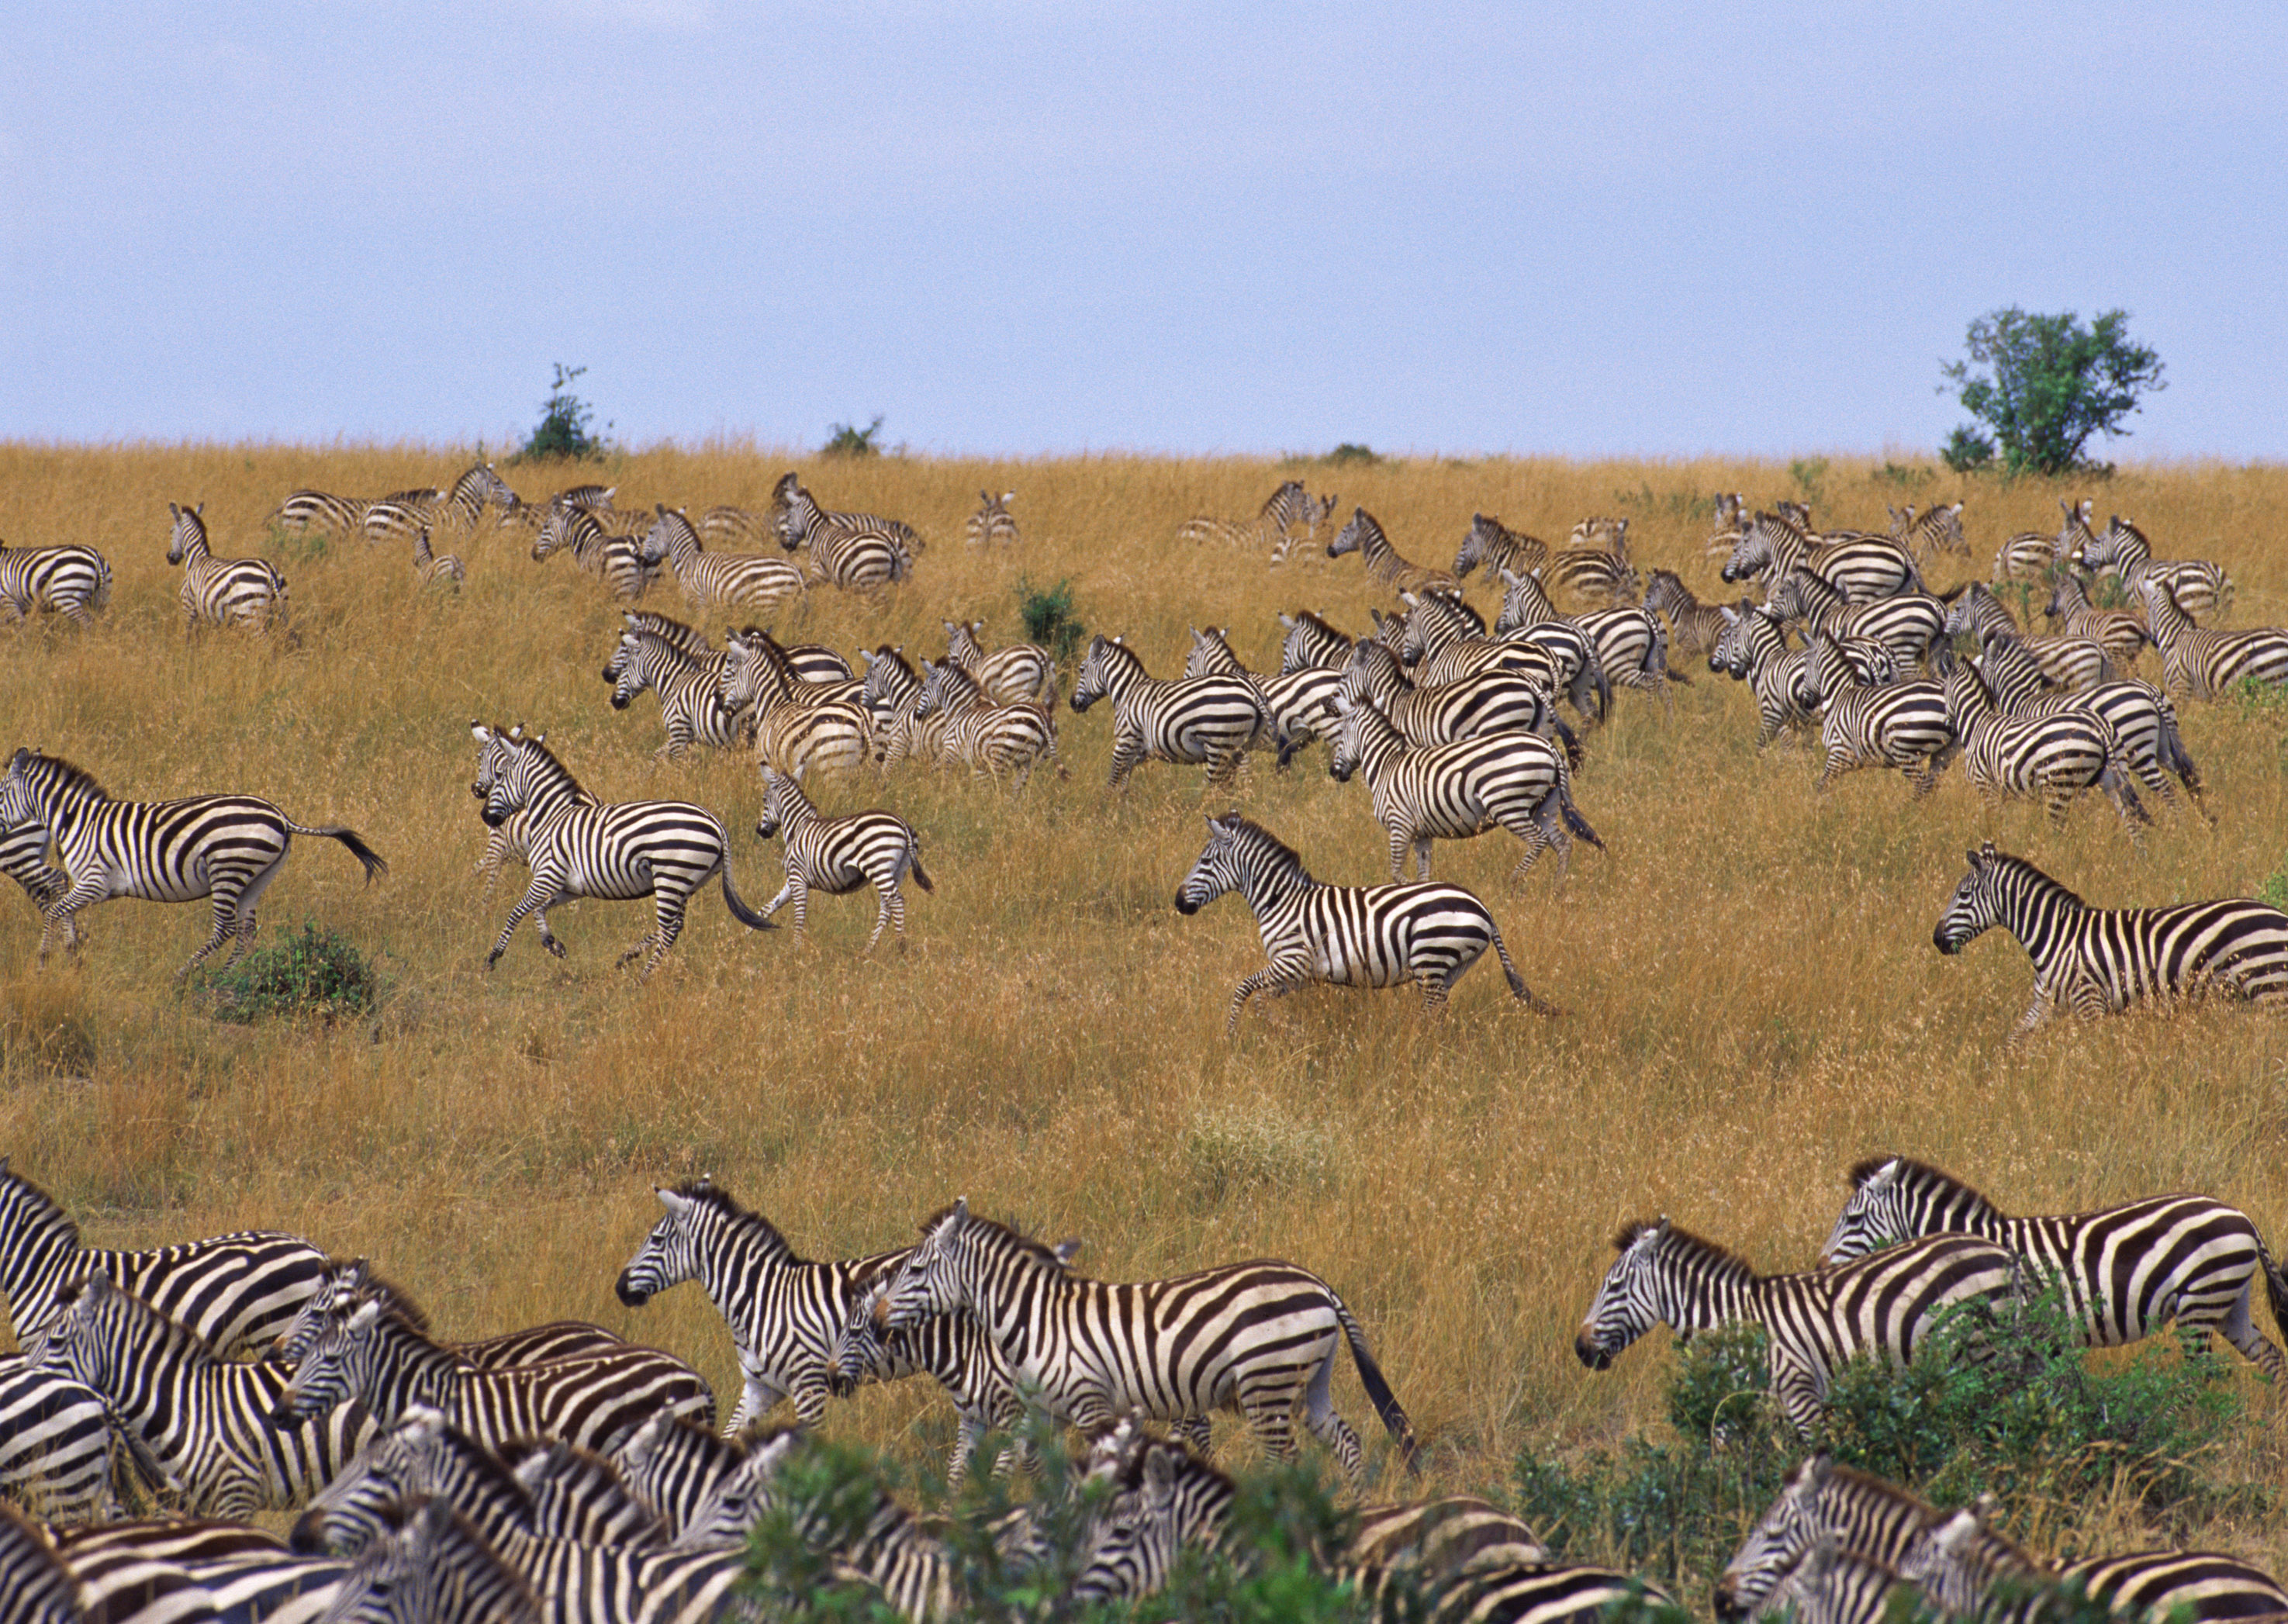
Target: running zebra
column 784, row 1312
column 206, row 1424
column 800, row 725
column 2064, row 662
column 24, row 859
column 679, row 1468
column 691, row 706
column 1820, row 1503
column 1498, row 548
column 615, row 557
column 1862, row 568
column 1528, row 616
column 56, row 1444
column 1202, row 720
column 2055, row 756
column 993, row 524
column 431, row 570
column 838, row 855
column 239, row 593
column 372, row 1361
column 236, row 1292
column 747, row 580
column 1016, row 675
column 990, row 739
column 162, row 1570
column 1516, row 781
column 1499, row 701
column 1753, row 649
column 2138, row 713
column 228, row 847
column 2120, row 631
column 855, row 551
column 404, row 516
column 1364, row 536
column 664, row 850
column 348, row 1285
column 1259, row 1337
column 2203, row 590
column 71, row 581
column 892, row 688
column 1445, row 640
column 2126, row 1270
column 1301, row 702
column 305, row 511
column 2208, row 664
column 1599, row 577
column 2101, row 960
column 1964, row 1570
column 1344, row 936
column 1882, row 1306
column 1937, row 530
column 1912, row 623
column 1900, row 724
column 1308, row 642
column 1286, row 511
column 1694, row 626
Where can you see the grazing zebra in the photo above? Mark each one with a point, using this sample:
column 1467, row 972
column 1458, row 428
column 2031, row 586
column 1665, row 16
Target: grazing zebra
column 993, row 522
column 1364, row 536
column 838, row 855
column 1754, row 649
column 2054, row 756
column 235, row 1292
column 71, row 580
column 347, row 1284
column 305, row 510
column 1499, row 548
column 892, row 688
column 1513, row 781
column 691, row 706
column 248, row 593
column 434, row 1567
column 991, row 739
column 1012, row 676
column 2206, row 664
column 1284, row 513
column 784, row 1312
column 2203, row 590
column 1897, row 725
column 800, row 726
column 1344, row 936
column 1301, row 702
column 1694, row 626
column 40, row 1586
column 369, row 1358
column 228, row 847
column 619, row 853
column 55, row 1443
column 1938, row 530
column 1492, row 702
column 855, row 551
column 749, row 579
column 1965, row 1569
column 2064, row 662
column 1862, row 568
column 1210, row 720
column 615, row 557
column 1882, row 1306
column 1258, row 1336
column 2138, row 713
column 1912, row 623
column 208, row 1426
column 2120, row 631
column 2126, row 1270
column 2096, row 961
column 430, row 570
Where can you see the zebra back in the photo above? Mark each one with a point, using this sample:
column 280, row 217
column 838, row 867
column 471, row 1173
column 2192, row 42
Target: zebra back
column 40, row 1588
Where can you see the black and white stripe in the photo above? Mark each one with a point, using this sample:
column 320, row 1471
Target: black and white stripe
column 1261, row 1336
column 232, row 593
column 2206, row 664
column 2202, row 590
column 1494, row 702
column 1599, row 577
column 891, row 691
column 1015, row 674
column 1753, row 648
column 1911, row 623
column 1301, row 701
column 1894, row 724
column 1820, row 1503
column 2138, row 713
column 615, row 557
column 307, row 511
column 40, row 1588
column 2056, row 756
column 749, row 579
column 433, row 1567
column 1528, row 616
column 1965, row 1569
column 1938, row 529
column 1344, row 936
column 1499, row 548
column 619, row 853
column 2096, row 961
column 228, row 847
column 68, row 580
column 1289, row 515
column 1881, row 1306
column 993, row 524
column 55, row 1443
column 2123, row 636
column 691, row 705
column 1307, row 642
column 348, row 1284
column 1201, row 720
column 429, row 569
column 998, row 740
column 2062, row 662
column 1694, row 626
column 1363, row 535
column 800, row 726
column 855, row 551
column 1862, row 568
column 838, row 855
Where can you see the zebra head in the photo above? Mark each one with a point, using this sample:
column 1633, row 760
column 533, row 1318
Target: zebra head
column 674, row 1251
column 17, row 806
column 1876, row 1215
column 1211, row 654
column 742, row 1497
column 630, row 672
column 498, row 781
column 1161, row 1498
column 932, row 1281
column 783, row 802
column 1750, row 557
column 1977, row 904
column 1217, row 870
column 339, row 1365
column 1306, row 642
column 188, row 538
column 432, row 1564
column 856, row 1353
column 1788, row 1527
column 1956, row 1563
column 931, row 699
column 342, row 1285
column 1730, row 653
column 412, row 1459
column 1352, row 536
column 1108, row 662
column 1633, row 1298
column 1524, row 602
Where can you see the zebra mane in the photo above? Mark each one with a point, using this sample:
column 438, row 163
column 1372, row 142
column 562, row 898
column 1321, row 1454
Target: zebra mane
column 1254, row 835
column 1867, row 1485
column 392, row 1297
column 172, row 1332
column 1922, row 1175
column 63, row 775
column 1452, row 603
column 660, row 625
column 496, row 1471
column 1013, row 1238
column 728, row 1208
column 2025, row 866
column 42, row 1208
column 1313, row 618
column 1684, row 1245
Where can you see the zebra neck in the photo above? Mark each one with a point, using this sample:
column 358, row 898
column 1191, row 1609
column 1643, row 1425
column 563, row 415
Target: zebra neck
column 410, row 1369
column 37, row 1252
column 2041, row 917
column 1379, row 745
column 1272, row 891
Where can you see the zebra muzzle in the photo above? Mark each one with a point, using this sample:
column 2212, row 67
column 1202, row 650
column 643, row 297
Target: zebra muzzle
column 1591, row 1352
column 634, row 1296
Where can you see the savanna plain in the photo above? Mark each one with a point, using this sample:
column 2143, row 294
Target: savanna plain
column 1751, row 997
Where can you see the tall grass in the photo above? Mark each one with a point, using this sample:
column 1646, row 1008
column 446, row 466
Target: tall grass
column 1753, row 1001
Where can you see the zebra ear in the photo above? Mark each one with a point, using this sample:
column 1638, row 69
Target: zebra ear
column 199, row 509
column 1988, row 853
column 1159, row 1475
column 677, row 1205
column 1882, row 1176
column 1288, row 621
column 1950, row 1535
column 363, row 1320
column 1066, row 1251
column 477, row 731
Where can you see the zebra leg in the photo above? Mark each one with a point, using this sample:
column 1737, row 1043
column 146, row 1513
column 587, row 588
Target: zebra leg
column 248, row 899
column 892, row 912
column 1326, row 1423
column 65, row 909
column 1400, row 839
column 544, row 893
column 225, row 922
column 1798, row 1394
column 1281, row 978
column 1127, row 751
column 2036, row 1014
column 1422, row 854
column 780, row 902
column 671, row 925
column 2239, row 1328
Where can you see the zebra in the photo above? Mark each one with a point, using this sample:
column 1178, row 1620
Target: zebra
column 857, row 552
column 236, row 593
column 1912, row 623
column 1307, row 642
column 1937, row 530
column 2126, row 1270
column 1822, row 1503
column 2054, row 756
column 401, row 517
column 430, row 570
column 1444, row 640
column 346, row 1284
column 1754, row 649
column 1489, row 703
column 749, row 579
column 24, row 859
column 679, row 1469
column 615, row 557
column 158, row 1570
column 41, row 1587
column 800, row 726
column 307, row 511
column 1301, row 702
column 992, row 739
column 1344, row 936
column 1498, row 548
column 1210, row 720
column 1694, row 626
column 207, row 1426
column 1898, row 724
column 993, row 523
column 56, row 1443
column 2062, row 662
column 2138, row 713
column 2203, row 590
column 69, row 580
column 783, row 1311
column 480, row 486
column 1861, row 569
column 838, row 855
column 433, row 1567
column 2099, row 960
column 2120, row 631
column 2206, row 664
column 1513, row 781
column 691, row 706
column 1965, row 1569
column 1598, row 576
column 664, row 850
column 579, row 1494
column 1364, row 536
column 1020, row 672
column 892, row 688
column 1285, row 511
column 1528, row 616
column 372, row 1360
column 228, row 847
column 1258, row 1337
column 1884, row 1305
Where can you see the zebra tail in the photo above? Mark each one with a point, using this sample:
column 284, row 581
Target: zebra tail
column 1578, row 824
column 1377, row 1391
column 914, row 865
column 739, row 911
column 364, row 853
column 2275, row 1287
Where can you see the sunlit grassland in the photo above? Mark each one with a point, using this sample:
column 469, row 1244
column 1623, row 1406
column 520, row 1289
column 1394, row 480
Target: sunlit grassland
column 1752, row 998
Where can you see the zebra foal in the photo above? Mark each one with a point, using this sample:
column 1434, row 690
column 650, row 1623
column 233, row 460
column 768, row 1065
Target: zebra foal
column 838, row 855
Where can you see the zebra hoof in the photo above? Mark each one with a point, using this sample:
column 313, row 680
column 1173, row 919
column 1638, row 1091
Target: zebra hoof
column 555, row 948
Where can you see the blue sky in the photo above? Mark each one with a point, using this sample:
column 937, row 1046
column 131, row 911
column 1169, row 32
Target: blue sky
column 1026, row 228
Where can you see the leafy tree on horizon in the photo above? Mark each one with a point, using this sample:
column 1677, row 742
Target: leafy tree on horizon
column 2049, row 384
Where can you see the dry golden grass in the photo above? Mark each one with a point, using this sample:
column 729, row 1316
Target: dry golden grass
column 1753, row 998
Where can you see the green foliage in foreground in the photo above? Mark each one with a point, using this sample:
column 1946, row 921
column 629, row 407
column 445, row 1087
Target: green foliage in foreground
column 316, row 973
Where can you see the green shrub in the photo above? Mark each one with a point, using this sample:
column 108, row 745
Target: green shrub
column 1967, row 450
column 1049, row 618
column 317, row 972
column 842, row 440
column 1810, row 476
column 2049, row 384
column 563, row 433
column 2258, row 700
column 1349, row 452
column 2274, row 892
column 1906, row 476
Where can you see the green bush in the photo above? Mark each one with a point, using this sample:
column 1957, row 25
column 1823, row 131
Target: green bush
column 1350, row 452
column 317, row 972
column 2274, row 892
column 1907, row 476
column 1810, row 476
column 1049, row 617
column 2049, row 384
column 842, row 440
column 1967, row 450
column 563, row 433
